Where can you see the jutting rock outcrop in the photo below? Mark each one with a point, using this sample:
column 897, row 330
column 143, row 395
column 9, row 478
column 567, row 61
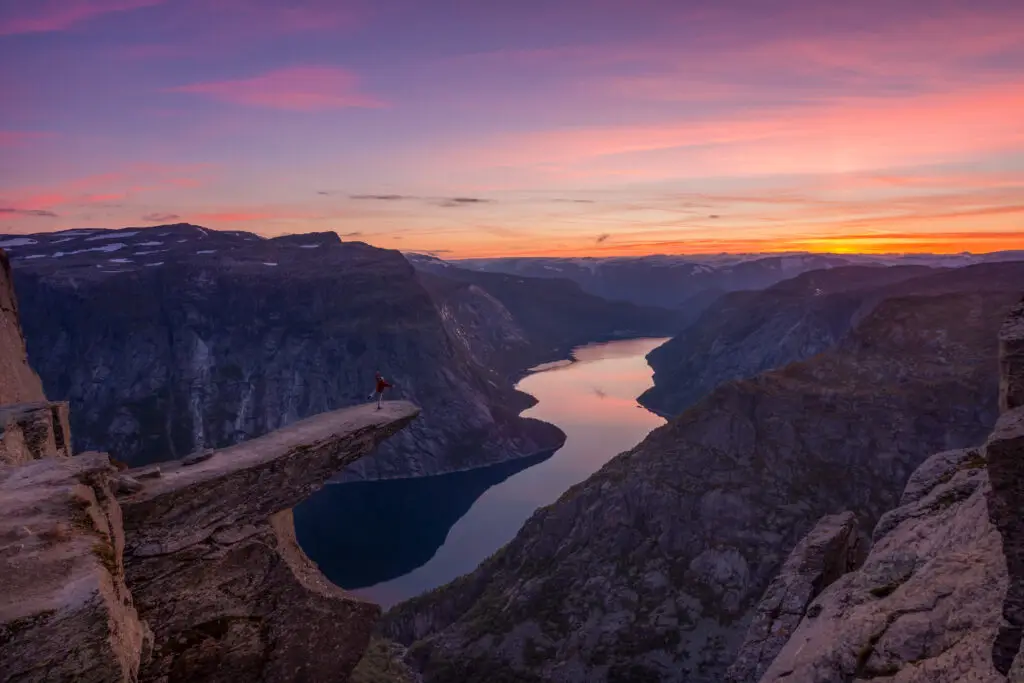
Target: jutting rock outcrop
column 213, row 564
column 185, row 572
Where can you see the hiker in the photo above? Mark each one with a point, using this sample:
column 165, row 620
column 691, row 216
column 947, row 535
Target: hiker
column 378, row 391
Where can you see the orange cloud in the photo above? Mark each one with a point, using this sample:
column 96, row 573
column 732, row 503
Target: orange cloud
column 838, row 135
column 306, row 88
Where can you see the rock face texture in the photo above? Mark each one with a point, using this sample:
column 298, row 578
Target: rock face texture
column 1006, row 469
column 18, row 382
column 925, row 606
column 825, row 554
column 65, row 611
column 746, row 333
column 30, row 431
column 183, row 339
column 30, row 426
column 708, row 507
column 215, row 569
column 192, row 573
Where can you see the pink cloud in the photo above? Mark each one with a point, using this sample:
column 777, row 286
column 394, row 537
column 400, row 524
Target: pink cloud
column 41, row 16
column 832, row 136
column 305, row 88
column 101, row 188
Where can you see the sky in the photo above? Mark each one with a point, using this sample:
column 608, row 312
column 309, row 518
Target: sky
column 470, row 128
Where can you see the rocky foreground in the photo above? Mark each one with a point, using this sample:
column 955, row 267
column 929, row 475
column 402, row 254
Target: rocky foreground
column 654, row 568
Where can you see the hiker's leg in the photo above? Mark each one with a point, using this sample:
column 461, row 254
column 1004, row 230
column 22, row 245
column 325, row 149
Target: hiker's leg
column 380, row 396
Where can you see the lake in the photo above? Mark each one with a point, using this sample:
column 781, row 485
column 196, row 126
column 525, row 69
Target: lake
column 390, row 540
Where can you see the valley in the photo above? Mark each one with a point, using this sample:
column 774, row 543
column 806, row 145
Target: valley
column 413, row 535
column 626, row 516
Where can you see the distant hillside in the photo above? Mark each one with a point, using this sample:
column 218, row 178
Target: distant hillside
column 512, row 322
column 745, row 333
column 691, row 282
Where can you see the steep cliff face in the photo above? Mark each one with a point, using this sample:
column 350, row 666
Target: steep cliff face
column 18, row 383
column 653, row 568
column 30, row 426
column 745, row 333
column 207, row 339
column 511, row 323
column 925, row 607
column 939, row 599
column 65, row 611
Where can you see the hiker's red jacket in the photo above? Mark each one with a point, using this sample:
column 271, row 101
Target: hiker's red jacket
column 382, row 384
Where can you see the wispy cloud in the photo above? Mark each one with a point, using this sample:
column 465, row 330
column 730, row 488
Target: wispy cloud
column 303, row 88
column 39, row 213
column 464, row 201
column 161, row 217
column 380, row 197
column 43, row 16
column 447, row 202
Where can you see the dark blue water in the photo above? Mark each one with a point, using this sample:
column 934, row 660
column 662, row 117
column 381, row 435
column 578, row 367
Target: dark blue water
column 392, row 540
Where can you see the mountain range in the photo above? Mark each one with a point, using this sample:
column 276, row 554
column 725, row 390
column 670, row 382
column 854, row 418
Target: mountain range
column 172, row 339
column 653, row 568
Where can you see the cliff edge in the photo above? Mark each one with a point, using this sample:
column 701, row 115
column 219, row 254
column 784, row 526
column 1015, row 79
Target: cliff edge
column 940, row 597
column 186, row 573
column 30, row 426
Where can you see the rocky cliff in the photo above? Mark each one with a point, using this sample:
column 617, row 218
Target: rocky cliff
column 746, row 333
column 30, row 426
column 172, row 339
column 653, row 569
column 511, row 322
column 938, row 599
column 183, row 572
column 188, row 571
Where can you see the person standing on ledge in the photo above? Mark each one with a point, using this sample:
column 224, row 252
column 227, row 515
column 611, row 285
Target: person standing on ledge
column 378, row 391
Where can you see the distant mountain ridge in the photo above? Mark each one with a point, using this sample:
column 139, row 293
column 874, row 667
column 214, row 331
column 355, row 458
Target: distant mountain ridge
column 177, row 337
column 749, row 332
column 692, row 282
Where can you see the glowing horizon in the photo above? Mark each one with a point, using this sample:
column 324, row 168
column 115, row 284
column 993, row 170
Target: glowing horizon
column 575, row 127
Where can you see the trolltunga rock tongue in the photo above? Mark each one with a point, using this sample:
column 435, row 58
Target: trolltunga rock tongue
column 215, row 569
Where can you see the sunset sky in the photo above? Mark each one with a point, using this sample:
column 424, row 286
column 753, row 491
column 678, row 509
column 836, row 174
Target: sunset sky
column 522, row 127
